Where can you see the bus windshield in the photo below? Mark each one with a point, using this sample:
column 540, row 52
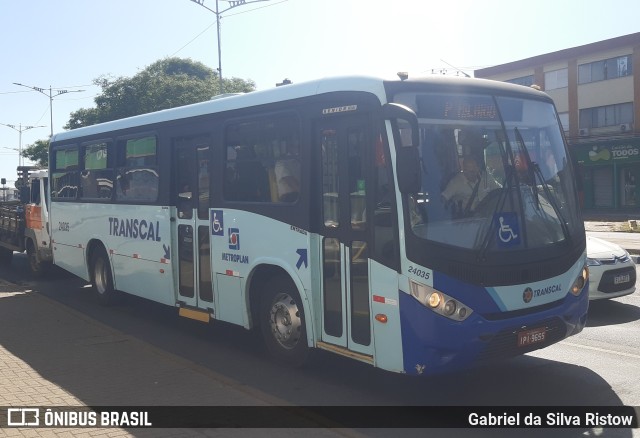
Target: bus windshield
column 495, row 173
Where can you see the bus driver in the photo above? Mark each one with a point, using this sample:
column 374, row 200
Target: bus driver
column 467, row 188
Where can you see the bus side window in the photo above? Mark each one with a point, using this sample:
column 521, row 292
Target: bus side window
column 137, row 171
column 262, row 160
column 246, row 178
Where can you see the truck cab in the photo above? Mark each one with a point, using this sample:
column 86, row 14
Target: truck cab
column 37, row 239
column 24, row 224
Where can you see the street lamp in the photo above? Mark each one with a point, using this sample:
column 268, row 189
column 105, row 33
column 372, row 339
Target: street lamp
column 51, row 95
column 20, row 130
column 218, row 13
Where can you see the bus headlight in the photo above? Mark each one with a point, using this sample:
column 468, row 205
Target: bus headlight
column 582, row 279
column 449, row 307
column 439, row 302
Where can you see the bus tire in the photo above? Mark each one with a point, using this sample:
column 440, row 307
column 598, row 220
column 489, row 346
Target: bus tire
column 102, row 278
column 282, row 322
column 6, row 255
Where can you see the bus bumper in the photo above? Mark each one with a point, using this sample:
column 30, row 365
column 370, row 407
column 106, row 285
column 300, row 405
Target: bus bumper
column 435, row 344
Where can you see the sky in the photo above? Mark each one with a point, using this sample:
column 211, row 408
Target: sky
column 66, row 44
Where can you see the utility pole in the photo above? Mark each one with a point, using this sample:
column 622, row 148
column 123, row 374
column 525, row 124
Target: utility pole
column 52, row 93
column 218, row 13
column 20, row 130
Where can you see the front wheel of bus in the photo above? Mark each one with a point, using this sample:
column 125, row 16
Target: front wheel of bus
column 101, row 278
column 282, row 323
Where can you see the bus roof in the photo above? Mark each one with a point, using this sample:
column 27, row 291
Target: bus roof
column 373, row 85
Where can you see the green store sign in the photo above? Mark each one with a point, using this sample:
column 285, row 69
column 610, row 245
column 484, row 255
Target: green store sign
column 607, row 154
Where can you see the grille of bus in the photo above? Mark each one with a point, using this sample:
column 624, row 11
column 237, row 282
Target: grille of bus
column 496, row 316
column 500, row 276
column 504, row 343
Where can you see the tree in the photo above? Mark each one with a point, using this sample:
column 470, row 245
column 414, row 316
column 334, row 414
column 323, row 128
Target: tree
column 167, row 83
column 38, row 152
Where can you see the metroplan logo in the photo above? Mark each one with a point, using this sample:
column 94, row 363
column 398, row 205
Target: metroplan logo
column 234, row 239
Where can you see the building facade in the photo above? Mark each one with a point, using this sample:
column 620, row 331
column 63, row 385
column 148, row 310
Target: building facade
column 596, row 89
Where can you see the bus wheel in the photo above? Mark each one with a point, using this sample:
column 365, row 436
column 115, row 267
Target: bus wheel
column 282, row 323
column 101, row 278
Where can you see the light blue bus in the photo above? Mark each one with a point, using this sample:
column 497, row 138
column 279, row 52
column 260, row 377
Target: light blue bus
column 421, row 226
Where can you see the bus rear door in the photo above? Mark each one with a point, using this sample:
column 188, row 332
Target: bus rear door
column 190, row 192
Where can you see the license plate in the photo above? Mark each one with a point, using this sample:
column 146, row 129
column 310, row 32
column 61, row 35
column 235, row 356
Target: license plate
column 622, row 278
column 530, row 337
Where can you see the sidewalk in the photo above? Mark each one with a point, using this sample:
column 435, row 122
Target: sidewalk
column 51, row 355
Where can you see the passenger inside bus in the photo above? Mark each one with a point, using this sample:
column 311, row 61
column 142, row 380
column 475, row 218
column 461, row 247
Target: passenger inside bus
column 287, row 174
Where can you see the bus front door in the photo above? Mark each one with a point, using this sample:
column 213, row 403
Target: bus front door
column 190, row 194
column 344, row 154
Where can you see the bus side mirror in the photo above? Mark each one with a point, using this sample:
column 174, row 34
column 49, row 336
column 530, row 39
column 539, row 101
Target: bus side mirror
column 408, row 169
column 395, row 111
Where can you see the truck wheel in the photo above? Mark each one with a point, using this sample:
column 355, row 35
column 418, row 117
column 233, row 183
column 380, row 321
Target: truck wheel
column 102, row 279
column 6, row 255
column 38, row 268
column 282, row 322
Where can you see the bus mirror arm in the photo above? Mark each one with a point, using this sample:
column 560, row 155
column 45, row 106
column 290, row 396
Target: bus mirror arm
column 407, row 156
column 395, row 111
column 408, row 169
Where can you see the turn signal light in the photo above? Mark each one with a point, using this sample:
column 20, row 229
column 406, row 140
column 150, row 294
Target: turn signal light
column 381, row 318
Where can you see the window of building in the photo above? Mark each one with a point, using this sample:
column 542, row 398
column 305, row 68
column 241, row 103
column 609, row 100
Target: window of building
column 263, row 160
column 556, row 79
column 603, row 116
column 606, row 69
column 527, row 81
column 137, row 170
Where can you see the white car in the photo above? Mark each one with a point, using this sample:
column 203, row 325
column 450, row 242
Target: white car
column 612, row 272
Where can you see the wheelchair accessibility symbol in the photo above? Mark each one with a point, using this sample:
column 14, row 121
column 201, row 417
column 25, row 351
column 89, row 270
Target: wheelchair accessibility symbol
column 508, row 229
column 217, row 225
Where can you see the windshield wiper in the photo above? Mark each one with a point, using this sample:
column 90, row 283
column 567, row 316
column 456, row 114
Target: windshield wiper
column 536, row 174
column 530, row 170
column 510, row 178
column 511, row 181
